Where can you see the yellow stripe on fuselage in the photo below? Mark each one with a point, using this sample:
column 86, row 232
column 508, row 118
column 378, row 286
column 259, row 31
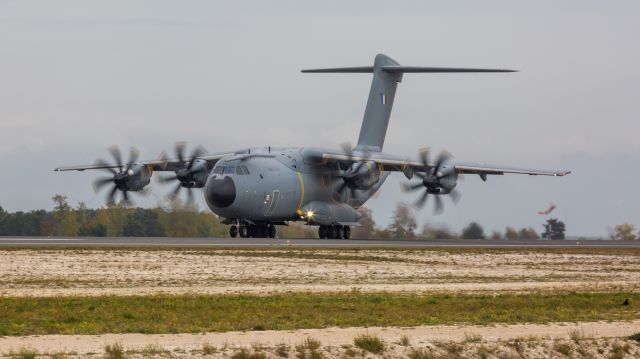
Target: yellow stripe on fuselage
column 299, row 211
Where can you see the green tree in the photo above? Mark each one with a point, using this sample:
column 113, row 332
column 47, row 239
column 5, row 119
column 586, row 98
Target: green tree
column 553, row 229
column 65, row 217
column 367, row 224
column 510, row 233
column 528, row 233
column 473, row 231
column 437, row 232
column 404, row 222
column 625, row 232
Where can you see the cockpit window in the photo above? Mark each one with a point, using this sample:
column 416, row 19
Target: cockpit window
column 218, row 170
column 239, row 170
column 245, row 170
column 229, row 169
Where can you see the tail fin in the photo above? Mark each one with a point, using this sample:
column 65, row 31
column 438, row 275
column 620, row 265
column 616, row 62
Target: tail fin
column 387, row 73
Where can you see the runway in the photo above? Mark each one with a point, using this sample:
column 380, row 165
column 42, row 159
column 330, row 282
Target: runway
column 264, row 242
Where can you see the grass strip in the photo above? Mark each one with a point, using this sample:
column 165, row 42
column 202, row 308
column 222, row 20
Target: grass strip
column 219, row 313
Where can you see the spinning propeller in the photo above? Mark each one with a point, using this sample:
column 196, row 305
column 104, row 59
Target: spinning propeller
column 436, row 180
column 187, row 173
column 121, row 173
column 353, row 178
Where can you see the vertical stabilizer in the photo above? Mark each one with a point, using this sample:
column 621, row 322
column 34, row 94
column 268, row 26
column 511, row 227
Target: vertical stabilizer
column 387, row 73
column 379, row 104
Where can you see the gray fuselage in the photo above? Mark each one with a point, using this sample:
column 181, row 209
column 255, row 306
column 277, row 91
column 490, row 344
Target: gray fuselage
column 277, row 185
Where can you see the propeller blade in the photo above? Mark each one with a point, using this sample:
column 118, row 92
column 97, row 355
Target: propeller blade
column 341, row 188
column 117, row 156
column 190, row 199
column 175, row 192
column 125, row 197
column 99, row 183
column 167, row 179
column 145, row 191
column 163, row 159
column 133, row 156
column 197, row 152
column 438, row 207
column 455, row 196
column 424, row 157
column 111, row 197
column 422, row 200
column 348, row 150
column 180, row 151
column 411, row 187
column 442, row 158
column 101, row 162
column 358, row 167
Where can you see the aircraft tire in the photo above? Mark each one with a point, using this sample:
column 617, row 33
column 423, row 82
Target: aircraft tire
column 339, row 232
column 233, row 231
column 271, row 231
column 346, row 232
column 333, row 232
column 322, row 232
column 244, row 232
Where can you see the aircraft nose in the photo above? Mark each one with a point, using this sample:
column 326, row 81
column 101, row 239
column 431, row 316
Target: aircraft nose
column 221, row 192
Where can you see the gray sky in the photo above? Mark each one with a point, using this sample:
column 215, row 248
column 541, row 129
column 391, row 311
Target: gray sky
column 79, row 76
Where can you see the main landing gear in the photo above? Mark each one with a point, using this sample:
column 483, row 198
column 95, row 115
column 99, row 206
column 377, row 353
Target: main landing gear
column 334, row 232
column 253, row 230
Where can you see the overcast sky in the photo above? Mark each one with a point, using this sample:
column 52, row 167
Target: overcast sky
column 79, row 76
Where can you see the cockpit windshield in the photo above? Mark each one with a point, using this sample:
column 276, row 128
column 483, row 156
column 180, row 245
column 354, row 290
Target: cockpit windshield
column 228, row 170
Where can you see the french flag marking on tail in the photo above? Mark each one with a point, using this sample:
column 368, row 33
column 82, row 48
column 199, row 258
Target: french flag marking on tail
column 383, row 98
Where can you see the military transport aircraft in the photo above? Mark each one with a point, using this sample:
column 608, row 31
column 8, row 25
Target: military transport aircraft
column 255, row 189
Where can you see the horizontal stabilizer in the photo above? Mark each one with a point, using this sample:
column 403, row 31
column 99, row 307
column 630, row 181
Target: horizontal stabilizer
column 361, row 69
column 403, row 69
column 414, row 69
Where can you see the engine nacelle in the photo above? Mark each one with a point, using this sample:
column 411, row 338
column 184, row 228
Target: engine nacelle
column 368, row 175
column 194, row 176
column 133, row 178
column 442, row 182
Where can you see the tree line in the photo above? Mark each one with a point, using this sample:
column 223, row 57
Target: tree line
column 183, row 220
column 178, row 220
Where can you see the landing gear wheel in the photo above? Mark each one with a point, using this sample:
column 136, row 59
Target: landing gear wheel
column 244, row 232
column 332, row 232
column 322, row 232
column 271, row 231
column 233, row 231
column 346, row 232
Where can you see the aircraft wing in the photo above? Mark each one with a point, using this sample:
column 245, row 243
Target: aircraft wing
column 408, row 166
column 168, row 164
column 482, row 169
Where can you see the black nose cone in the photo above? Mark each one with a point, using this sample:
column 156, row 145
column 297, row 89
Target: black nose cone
column 221, row 192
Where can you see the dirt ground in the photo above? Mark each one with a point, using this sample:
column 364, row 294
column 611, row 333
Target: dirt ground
column 589, row 340
column 126, row 272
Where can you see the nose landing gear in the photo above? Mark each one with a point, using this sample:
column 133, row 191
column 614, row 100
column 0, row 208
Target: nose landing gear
column 334, row 232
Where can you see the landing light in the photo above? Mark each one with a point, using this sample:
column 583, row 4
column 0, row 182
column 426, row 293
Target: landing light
column 310, row 214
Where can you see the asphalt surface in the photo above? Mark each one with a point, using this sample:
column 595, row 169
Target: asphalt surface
column 262, row 242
